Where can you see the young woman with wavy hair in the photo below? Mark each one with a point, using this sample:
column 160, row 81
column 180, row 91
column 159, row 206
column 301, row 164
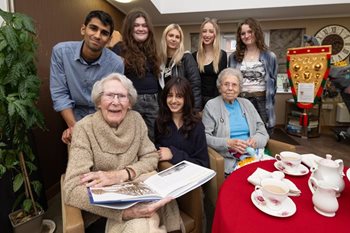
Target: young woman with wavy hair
column 259, row 68
column 139, row 50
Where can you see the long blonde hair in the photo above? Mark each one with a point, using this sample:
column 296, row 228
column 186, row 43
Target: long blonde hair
column 163, row 46
column 216, row 46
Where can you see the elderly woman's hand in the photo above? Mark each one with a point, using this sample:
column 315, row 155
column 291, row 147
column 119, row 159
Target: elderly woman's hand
column 237, row 145
column 252, row 143
column 104, row 178
column 144, row 210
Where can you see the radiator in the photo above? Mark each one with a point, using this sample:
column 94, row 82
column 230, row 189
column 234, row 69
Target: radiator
column 343, row 115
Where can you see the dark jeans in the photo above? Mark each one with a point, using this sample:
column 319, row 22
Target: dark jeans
column 259, row 103
column 147, row 106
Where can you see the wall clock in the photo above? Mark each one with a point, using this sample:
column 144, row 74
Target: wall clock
column 339, row 37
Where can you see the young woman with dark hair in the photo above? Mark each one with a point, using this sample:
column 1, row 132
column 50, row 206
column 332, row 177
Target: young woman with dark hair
column 179, row 131
column 142, row 64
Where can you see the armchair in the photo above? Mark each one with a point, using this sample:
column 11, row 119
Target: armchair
column 217, row 164
column 190, row 205
column 212, row 187
column 72, row 219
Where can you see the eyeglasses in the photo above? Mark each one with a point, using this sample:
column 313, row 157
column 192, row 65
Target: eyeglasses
column 228, row 85
column 111, row 96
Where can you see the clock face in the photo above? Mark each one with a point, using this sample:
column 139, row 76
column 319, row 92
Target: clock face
column 337, row 36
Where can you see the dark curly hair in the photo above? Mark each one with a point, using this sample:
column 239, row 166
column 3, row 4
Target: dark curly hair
column 189, row 116
column 259, row 36
column 138, row 57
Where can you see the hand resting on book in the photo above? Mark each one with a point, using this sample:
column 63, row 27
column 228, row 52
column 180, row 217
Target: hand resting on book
column 145, row 209
column 104, row 178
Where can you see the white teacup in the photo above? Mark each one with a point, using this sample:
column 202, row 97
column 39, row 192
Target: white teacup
column 290, row 160
column 274, row 192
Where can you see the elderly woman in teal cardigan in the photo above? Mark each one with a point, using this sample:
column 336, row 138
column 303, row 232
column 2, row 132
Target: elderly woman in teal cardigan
column 232, row 124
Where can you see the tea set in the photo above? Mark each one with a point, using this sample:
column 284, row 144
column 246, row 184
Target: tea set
column 290, row 163
column 271, row 197
column 326, row 184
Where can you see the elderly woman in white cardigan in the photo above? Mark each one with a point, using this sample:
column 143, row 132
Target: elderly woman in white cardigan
column 232, row 124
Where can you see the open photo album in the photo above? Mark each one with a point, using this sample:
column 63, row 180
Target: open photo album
column 175, row 181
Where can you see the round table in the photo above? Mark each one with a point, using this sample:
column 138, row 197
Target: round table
column 235, row 212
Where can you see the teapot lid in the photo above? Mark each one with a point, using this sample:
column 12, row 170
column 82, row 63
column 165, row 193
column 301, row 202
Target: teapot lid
column 328, row 162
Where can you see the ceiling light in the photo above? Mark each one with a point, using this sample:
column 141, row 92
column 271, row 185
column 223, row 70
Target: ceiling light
column 123, row 1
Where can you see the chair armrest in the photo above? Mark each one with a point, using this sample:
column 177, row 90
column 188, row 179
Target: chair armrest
column 276, row 147
column 212, row 187
column 72, row 219
column 162, row 165
column 192, row 204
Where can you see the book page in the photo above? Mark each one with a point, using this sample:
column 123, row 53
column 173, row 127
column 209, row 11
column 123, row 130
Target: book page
column 125, row 192
column 174, row 181
column 179, row 177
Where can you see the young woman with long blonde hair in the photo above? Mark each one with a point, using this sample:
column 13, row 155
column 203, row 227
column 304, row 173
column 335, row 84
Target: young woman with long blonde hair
column 210, row 58
column 176, row 62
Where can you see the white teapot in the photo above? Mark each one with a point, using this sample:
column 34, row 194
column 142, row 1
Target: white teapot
column 331, row 171
column 324, row 197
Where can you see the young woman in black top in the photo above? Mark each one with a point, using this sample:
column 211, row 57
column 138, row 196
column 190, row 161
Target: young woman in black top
column 179, row 131
column 210, row 58
column 142, row 64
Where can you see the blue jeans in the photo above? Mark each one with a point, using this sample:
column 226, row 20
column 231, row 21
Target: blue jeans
column 147, row 105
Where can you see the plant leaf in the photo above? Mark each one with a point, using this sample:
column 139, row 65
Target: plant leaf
column 18, row 182
column 2, row 170
column 28, row 23
column 18, row 200
column 17, row 23
column 11, row 109
column 31, row 166
column 7, row 16
column 27, row 205
column 10, row 36
column 37, row 186
column 2, row 60
column 3, row 43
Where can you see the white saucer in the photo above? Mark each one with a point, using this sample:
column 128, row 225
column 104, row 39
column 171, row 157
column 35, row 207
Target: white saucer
column 324, row 213
column 49, row 226
column 348, row 174
column 288, row 207
column 301, row 170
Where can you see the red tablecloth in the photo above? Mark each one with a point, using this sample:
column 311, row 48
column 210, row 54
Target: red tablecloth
column 235, row 211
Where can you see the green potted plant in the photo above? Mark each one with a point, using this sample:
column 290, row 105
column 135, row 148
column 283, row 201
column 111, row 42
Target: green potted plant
column 19, row 92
